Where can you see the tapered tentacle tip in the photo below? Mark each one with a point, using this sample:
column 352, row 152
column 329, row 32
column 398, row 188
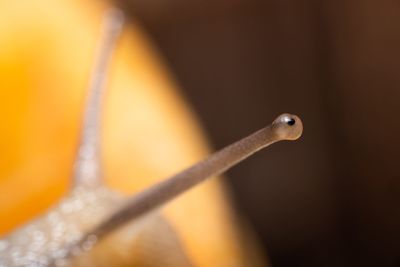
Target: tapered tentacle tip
column 287, row 127
column 115, row 18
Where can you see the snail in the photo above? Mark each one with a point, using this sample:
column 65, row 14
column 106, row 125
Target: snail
column 90, row 223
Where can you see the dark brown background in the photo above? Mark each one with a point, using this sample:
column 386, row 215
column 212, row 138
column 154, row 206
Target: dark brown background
column 332, row 199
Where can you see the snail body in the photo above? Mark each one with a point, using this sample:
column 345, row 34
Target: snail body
column 47, row 238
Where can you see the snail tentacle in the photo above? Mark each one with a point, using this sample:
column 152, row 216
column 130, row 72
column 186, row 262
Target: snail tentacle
column 87, row 170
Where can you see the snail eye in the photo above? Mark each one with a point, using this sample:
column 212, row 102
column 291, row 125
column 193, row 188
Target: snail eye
column 291, row 122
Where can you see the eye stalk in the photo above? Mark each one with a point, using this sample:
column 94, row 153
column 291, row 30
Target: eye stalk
column 287, row 127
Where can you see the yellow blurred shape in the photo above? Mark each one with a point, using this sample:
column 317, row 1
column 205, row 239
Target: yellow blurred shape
column 46, row 54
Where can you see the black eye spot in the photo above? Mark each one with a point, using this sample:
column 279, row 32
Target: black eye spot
column 291, row 122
